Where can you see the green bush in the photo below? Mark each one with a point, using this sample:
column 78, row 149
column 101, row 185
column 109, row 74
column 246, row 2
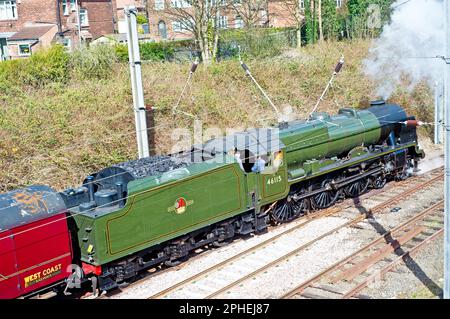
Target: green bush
column 121, row 51
column 43, row 67
column 156, row 51
column 150, row 51
column 258, row 42
column 95, row 62
column 141, row 19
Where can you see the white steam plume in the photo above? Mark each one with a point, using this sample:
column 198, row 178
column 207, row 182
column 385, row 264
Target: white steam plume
column 407, row 45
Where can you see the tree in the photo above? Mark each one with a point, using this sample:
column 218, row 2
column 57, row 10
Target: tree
column 367, row 17
column 355, row 19
column 249, row 10
column 310, row 21
column 294, row 10
column 319, row 14
column 199, row 18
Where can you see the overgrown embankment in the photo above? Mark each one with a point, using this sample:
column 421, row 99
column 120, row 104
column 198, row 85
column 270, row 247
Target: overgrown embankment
column 65, row 116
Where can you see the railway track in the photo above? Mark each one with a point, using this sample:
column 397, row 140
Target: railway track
column 348, row 277
column 222, row 277
column 299, row 223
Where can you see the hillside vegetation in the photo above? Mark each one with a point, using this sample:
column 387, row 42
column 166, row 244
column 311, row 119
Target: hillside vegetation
column 64, row 117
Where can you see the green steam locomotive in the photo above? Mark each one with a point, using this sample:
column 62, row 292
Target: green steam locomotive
column 138, row 214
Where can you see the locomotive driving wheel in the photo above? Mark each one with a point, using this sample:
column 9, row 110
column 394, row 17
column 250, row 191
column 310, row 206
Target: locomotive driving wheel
column 405, row 172
column 379, row 181
column 326, row 198
column 357, row 188
column 290, row 208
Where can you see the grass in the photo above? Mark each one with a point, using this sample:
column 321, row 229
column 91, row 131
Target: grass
column 421, row 293
column 58, row 133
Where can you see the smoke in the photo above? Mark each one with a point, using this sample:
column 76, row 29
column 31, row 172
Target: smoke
column 429, row 164
column 416, row 32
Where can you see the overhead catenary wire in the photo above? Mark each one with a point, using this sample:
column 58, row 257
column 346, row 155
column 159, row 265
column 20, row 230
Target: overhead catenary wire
column 398, row 5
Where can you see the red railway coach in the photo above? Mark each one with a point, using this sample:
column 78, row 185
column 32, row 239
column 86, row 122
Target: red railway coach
column 35, row 245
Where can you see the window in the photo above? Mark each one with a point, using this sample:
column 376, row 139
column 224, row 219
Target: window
column 24, row 49
column 181, row 25
column 67, row 43
column 238, row 22
column 8, row 10
column 223, row 22
column 162, row 29
column 84, row 17
column 339, row 3
column 180, row 4
column 264, row 16
column 68, row 6
column 302, row 4
column 159, row 4
column 176, row 26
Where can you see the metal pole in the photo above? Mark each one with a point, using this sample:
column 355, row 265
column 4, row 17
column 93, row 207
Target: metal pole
column 77, row 8
column 437, row 113
column 447, row 154
column 136, row 82
column 441, row 110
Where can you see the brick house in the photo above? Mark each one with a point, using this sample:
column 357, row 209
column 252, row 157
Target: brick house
column 272, row 13
column 163, row 25
column 28, row 25
column 141, row 5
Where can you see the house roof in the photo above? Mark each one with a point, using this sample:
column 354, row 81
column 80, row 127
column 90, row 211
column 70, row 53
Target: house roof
column 31, row 32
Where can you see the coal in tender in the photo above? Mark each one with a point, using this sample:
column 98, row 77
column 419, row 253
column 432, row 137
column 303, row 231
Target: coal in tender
column 151, row 166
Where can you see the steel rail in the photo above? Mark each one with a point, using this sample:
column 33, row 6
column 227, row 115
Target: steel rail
column 394, row 263
column 326, row 213
column 299, row 289
column 310, row 243
column 347, row 203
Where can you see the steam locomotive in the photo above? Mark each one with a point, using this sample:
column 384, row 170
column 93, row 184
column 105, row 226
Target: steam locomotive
column 143, row 213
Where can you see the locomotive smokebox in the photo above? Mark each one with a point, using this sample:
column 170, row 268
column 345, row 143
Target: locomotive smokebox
column 388, row 115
